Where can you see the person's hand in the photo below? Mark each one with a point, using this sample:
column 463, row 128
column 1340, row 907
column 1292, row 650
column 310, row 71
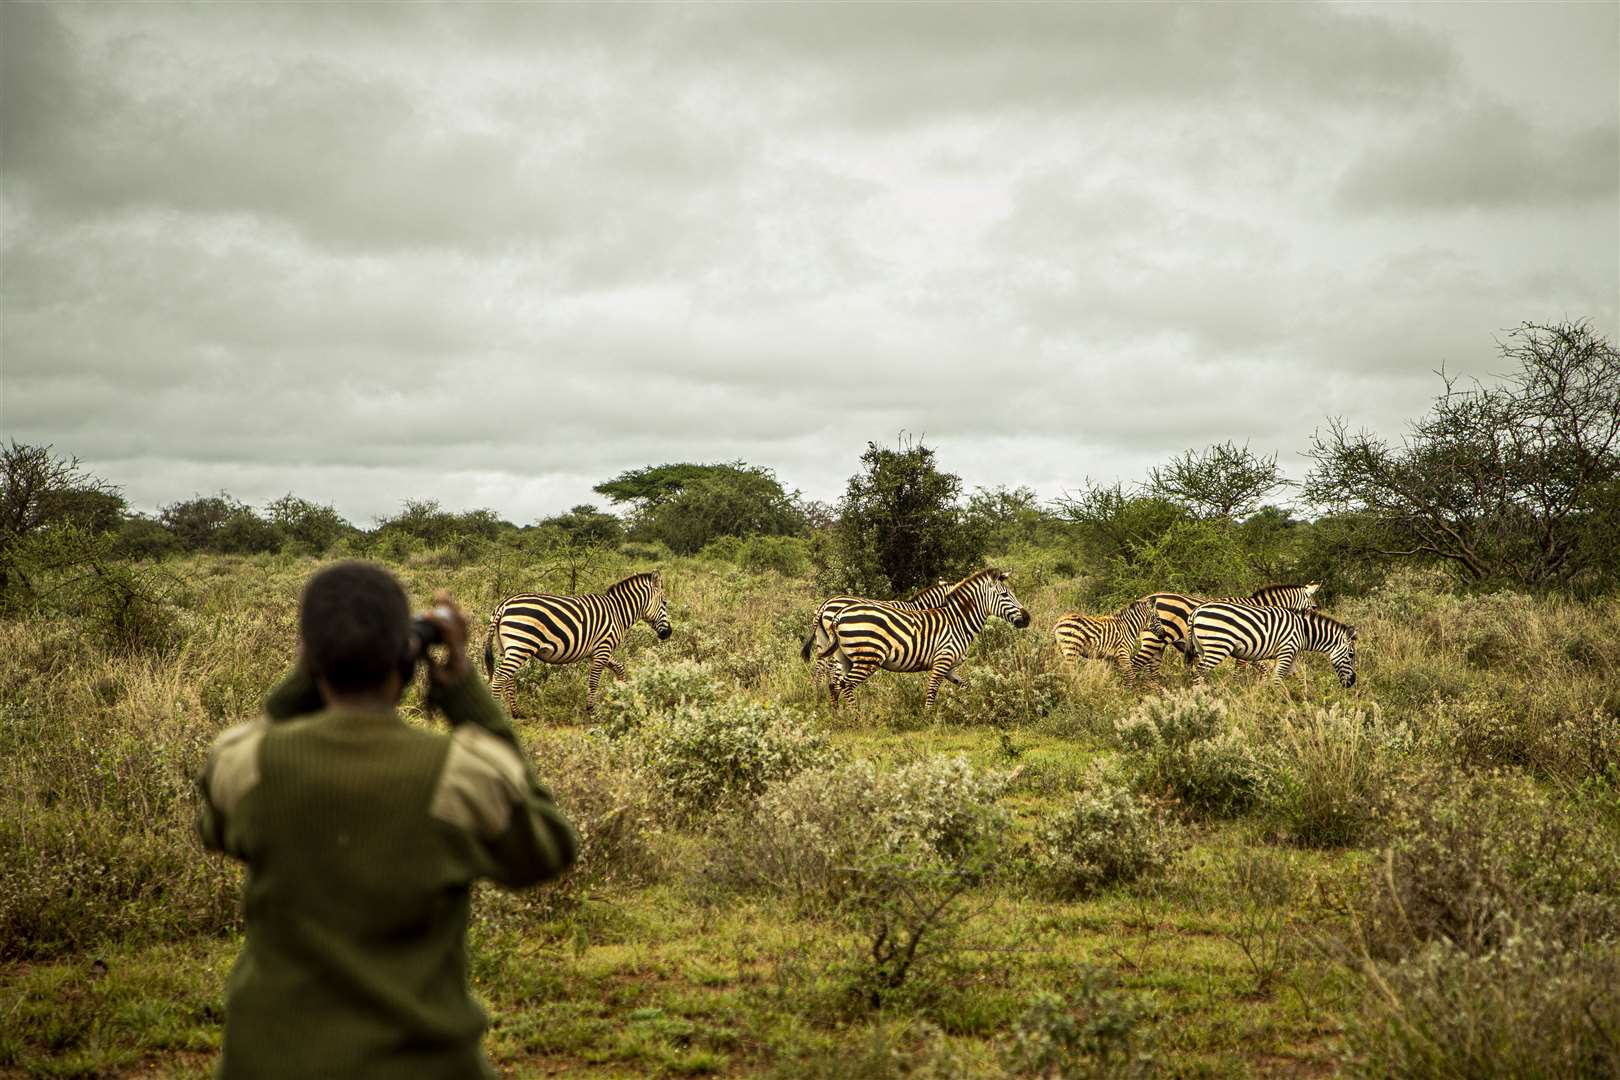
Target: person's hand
column 453, row 625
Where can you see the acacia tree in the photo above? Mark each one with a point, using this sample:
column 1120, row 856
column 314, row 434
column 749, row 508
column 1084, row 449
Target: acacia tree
column 1509, row 482
column 686, row 505
column 1222, row 481
column 39, row 487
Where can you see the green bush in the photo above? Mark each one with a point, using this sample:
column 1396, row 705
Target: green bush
column 76, row 879
column 622, row 840
column 1532, row 1009
column 708, row 758
column 1477, row 860
column 1531, row 726
column 1091, row 1032
column 809, row 836
column 1106, row 834
column 1331, row 774
column 654, row 688
column 1185, row 746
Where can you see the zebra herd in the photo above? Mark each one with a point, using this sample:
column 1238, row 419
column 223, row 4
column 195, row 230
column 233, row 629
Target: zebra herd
column 854, row 636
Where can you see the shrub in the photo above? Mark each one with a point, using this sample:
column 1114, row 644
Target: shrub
column 142, row 538
column 1187, row 747
column 808, row 837
column 704, row 758
column 1330, row 775
column 1532, row 1009
column 1104, row 835
column 787, row 555
column 615, row 813
column 1531, row 726
column 655, row 688
column 999, row 698
column 1478, row 860
column 73, row 879
column 1093, row 1032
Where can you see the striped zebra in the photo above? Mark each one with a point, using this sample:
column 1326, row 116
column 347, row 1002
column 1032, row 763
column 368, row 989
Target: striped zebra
column 828, row 611
column 1174, row 609
column 1105, row 637
column 869, row 636
column 1251, row 632
column 567, row 629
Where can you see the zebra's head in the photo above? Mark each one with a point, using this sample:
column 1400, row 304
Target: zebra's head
column 656, row 611
column 993, row 588
column 1137, row 616
column 1342, row 654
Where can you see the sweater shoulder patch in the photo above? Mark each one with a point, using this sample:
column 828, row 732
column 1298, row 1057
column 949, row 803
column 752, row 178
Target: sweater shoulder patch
column 233, row 769
column 483, row 779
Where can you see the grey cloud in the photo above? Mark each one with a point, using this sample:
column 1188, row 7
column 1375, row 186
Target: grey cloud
column 493, row 254
column 1481, row 157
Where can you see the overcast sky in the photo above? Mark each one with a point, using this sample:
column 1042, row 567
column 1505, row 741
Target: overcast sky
column 496, row 254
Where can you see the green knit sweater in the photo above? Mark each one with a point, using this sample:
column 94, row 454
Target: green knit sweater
column 362, row 836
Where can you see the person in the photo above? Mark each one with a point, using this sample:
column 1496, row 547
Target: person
column 362, row 836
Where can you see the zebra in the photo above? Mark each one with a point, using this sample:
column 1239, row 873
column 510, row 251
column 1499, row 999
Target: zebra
column 566, row 629
column 1251, row 632
column 828, row 611
column 1171, row 611
column 868, row 636
column 1104, row 637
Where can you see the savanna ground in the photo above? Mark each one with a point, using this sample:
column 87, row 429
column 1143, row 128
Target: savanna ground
column 1414, row 877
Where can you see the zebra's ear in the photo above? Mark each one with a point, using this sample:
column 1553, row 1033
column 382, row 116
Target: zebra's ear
column 1352, row 633
column 1002, row 575
column 1310, row 590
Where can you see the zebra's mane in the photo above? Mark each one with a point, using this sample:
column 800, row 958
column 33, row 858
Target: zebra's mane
column 920, row 591
column 1267, row 590
column 971, row 582
column 1338, row 624
column 632, row 581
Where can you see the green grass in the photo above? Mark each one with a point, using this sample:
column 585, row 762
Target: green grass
column 675, row 977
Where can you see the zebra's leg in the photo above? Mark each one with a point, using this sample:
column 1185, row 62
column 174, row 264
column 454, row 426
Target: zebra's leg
column 944, row 668
column 1207, row 661
column 600, row 660
column 503, row 684
column 1149, row 656
column 1285, row 665
column 617, row 668
column 857, row 672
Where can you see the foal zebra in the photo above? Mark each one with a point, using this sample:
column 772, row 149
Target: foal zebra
column 1104, row 637
column 868, row 636
column 1174, row 609
column 828, row 611
column 1250, row 632
column 566, row 629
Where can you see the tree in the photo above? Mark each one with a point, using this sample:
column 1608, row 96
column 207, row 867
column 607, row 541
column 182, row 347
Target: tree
column 1112, row 523
column 1221, row 481
column 1007, row 516
column 899, row 523
column 1512, row 482
column 650, row 485
column 309, row 526
column 685, row 506
column 196, row 522
column 586, row 525
column 40, row 488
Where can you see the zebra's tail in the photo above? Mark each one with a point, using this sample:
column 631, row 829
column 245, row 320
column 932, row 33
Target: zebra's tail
column 489, row 645
column 809, row 643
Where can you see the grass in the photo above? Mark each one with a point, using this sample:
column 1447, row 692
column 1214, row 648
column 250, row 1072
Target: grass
column 118, row 931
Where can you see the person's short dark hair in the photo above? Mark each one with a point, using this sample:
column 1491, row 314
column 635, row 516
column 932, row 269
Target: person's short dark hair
column 355, row 622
